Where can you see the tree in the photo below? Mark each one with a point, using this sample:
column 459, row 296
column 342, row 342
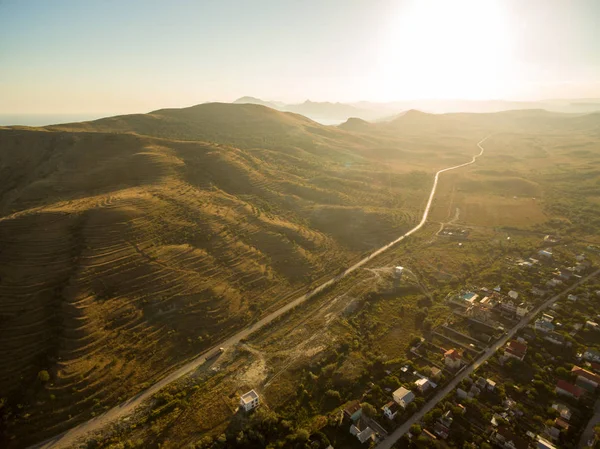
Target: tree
column 368, row 409
column 43, row 376
column 416, row 430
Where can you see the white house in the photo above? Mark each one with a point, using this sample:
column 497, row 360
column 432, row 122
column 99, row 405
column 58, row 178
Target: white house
column 422, row 385
column 403, row 397
column 390, row 410
column 249, row 400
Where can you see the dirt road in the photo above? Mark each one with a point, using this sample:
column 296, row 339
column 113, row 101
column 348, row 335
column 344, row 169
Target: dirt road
column 71, row 436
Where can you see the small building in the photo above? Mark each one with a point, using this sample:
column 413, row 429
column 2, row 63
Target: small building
column 591, row 355
column 505, row 438
column 436, row 373
column 568, row 389
column 545, row 253
column 249, row 401
column 515, row 350
column 563, row 410
column 353, row 411
column 543, row 326
column 390, row 410
column 573, row 298
column 403, row 397
column 513, row 294
column 441, row 430
column 561, row 424
column 490, row 384
column 452, row 359
column 462, row 394
column 543, row 443
column 523, row 309
column 446, row 419
column 362, row 431
column 508, row 306
column 586, row 376
column 556, row 338
column 422, row 385
column 592, row 325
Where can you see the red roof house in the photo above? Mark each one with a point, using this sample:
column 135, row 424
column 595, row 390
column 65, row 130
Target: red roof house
column 568, row 389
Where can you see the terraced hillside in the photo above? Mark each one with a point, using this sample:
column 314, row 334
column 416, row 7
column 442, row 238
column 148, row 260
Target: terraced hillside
column 124, row 251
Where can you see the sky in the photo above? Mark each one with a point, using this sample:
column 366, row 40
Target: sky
column 109, row 56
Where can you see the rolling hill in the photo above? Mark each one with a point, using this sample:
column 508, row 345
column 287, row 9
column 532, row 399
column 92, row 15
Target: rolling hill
column 131, row 243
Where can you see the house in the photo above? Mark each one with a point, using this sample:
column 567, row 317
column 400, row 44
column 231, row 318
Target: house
column 586, row 376
column 508, row 306
column 505, row 438
column 390, row 410
column 568, row 389
column 543, row 326
column 545, row 253
column 563, row 410
column 446, row 419
column 552, row 432
column 452, row 359
column 490, row 384
column 403, row 397
column 538, row 291
column 362, row 431
column 561, row 424
column 249, row 401
column 422, row 385
column 556, row 338
column 591, row 355
column 462, row 394
column 565, row 275
column 436, row 373
column 592, row 325
column 513, row 294
column 543, row 443
column 441, row 430
column 523, row 309
column 353, row 411
column 573, row 297
column 547, row 317
column 515, row 350
column 552, row 283
column 474, row 391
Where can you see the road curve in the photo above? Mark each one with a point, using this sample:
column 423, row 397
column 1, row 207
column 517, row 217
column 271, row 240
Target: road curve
column 404, row 428
column 126, row 408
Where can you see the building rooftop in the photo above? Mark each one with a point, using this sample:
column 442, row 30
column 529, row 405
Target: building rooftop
column 574, row 390
column 249, row 397
column 453, row 354
column 578, row 371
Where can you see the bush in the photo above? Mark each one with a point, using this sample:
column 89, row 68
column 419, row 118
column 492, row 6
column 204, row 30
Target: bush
column 43, row 376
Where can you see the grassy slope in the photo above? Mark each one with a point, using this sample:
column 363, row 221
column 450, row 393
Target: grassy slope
column 131, row 243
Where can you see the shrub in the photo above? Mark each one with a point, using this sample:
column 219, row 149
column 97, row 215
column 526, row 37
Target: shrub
column 43, row 376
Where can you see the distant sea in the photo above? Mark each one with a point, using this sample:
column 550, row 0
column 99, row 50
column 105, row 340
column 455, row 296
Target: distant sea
column 47, row 119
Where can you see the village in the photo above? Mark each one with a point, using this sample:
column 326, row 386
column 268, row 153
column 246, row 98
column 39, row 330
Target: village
column 535, row 391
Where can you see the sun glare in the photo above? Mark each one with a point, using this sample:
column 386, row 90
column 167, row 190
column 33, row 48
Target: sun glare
column 447, row 49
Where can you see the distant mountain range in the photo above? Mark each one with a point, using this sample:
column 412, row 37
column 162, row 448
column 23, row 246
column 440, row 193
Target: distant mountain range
column 331, row 113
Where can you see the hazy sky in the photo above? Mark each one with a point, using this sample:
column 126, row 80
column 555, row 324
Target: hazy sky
column 81, row 56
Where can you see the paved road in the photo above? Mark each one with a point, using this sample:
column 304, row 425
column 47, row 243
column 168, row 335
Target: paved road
column 69, row 437
column 588, row 433
column 404, row 428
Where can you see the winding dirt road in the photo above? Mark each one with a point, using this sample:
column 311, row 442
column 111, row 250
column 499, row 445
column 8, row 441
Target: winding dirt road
column 71, row 436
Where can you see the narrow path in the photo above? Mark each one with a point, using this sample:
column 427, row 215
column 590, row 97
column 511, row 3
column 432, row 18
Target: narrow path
column 404, row 428
column 120, row 411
